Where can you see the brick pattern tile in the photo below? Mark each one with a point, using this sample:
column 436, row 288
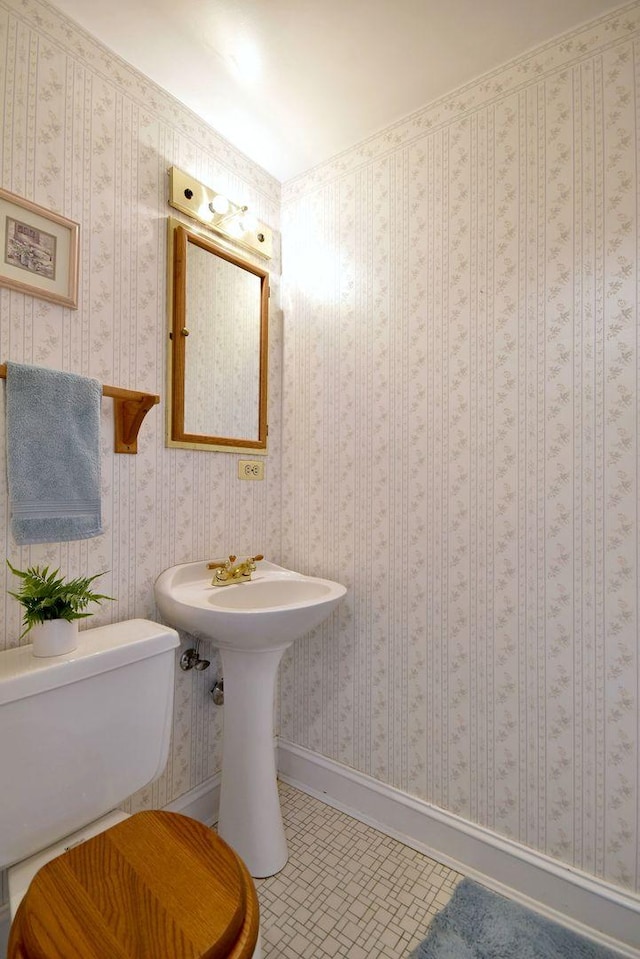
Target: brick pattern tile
column 347, row 891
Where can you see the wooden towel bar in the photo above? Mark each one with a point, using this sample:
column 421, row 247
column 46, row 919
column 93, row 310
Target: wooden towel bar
column 130, row 408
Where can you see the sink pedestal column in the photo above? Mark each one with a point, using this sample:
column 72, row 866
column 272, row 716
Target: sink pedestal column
column 250, row 819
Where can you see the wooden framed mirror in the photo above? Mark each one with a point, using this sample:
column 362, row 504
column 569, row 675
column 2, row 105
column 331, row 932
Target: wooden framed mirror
column 218, row 354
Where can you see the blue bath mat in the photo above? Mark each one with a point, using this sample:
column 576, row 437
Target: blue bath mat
column 478, row 924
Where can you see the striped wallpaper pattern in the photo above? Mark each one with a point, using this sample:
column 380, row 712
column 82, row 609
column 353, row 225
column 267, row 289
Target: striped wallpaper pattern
column 83, row 134
column 460, row 447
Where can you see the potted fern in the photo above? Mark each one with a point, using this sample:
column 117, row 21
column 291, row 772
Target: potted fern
column 52, row 607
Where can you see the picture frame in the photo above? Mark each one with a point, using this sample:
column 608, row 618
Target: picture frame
column 38, row 251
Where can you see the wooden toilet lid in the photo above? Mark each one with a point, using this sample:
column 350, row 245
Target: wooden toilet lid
column 156, row 886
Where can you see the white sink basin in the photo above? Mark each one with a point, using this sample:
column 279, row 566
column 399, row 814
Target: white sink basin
column 252, row 623
column 272, row 610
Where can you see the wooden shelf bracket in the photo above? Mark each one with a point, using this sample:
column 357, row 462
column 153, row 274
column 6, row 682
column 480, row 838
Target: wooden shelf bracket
column 130, row 409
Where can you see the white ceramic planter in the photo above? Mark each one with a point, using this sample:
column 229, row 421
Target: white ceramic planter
column 53, row 638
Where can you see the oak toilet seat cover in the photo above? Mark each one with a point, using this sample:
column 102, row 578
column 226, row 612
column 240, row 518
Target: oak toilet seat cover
column 158, row 884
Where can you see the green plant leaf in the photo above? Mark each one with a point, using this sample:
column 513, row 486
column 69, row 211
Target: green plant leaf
column 45, row 596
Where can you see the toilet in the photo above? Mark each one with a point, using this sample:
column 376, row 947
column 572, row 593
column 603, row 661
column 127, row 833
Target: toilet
column 79, row 734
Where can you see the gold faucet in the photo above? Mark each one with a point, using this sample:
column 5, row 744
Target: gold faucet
column 228, row 571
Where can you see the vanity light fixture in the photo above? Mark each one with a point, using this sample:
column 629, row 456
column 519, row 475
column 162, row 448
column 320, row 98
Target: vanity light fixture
column 219, row 213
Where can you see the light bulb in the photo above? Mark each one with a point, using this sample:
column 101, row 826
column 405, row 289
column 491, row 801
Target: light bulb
column 219, row 204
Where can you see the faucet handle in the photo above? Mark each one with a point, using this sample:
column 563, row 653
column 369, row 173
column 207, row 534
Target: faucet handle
column 220, row 564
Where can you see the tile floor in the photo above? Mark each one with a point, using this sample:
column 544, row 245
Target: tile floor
column 347, row 891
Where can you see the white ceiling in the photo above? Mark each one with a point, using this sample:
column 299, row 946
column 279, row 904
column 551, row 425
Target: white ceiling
column 293, row 82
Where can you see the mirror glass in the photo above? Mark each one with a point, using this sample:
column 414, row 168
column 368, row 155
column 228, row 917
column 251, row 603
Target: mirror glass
column 218, row 346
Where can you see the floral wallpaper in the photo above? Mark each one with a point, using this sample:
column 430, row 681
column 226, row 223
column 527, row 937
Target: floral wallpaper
column 83, row 134
column 460, row 447
column 453, row 419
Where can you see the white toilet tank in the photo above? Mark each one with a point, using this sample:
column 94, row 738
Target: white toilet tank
column 81, row 732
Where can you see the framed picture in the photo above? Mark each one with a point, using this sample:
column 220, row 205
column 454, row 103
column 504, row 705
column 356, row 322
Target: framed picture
column 38, row 251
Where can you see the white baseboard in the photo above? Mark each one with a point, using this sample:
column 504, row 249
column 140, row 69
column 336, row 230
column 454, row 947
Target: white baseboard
column 201, row 803
column 590, row 906
column 5, row 922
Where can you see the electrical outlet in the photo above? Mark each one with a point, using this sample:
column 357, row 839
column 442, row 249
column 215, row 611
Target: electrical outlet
column 251, row 469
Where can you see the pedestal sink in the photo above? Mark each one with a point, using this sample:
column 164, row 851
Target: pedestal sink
column 252, row 624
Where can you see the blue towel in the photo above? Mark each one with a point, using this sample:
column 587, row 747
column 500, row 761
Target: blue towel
column 53, row 455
